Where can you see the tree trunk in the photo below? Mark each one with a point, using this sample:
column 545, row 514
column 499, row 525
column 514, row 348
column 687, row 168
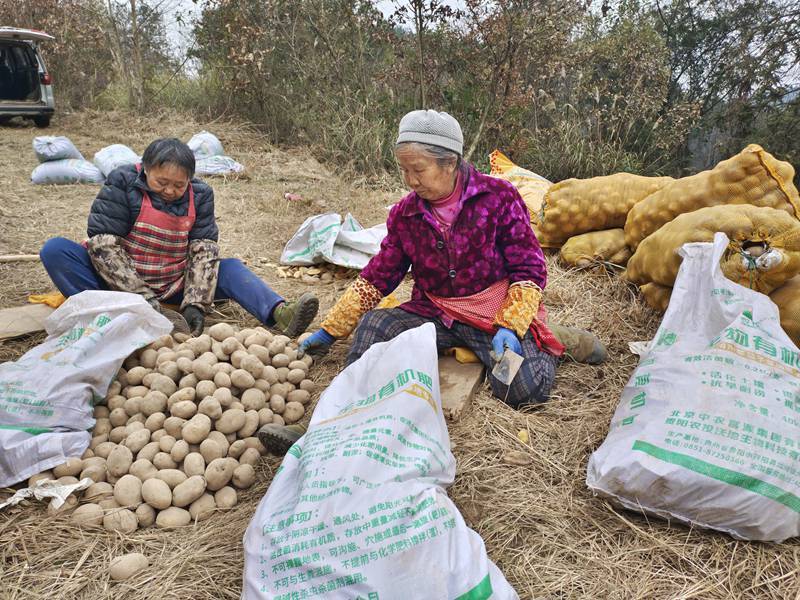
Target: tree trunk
column 419, row 19
column 136, row 88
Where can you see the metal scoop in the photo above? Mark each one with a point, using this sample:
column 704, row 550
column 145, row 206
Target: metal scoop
column 506, row 367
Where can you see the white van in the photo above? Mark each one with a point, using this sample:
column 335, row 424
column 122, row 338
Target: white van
column 26, row 88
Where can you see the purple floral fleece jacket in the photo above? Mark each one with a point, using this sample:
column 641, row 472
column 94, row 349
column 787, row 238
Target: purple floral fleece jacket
column 490, row 240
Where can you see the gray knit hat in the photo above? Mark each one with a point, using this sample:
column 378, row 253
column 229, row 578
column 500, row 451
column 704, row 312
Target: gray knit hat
column 431, row 127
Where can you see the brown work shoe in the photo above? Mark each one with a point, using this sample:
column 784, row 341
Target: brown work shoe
column 581, row 346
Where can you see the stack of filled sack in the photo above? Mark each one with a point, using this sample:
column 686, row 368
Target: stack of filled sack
column 210, row 157
column 625, row 219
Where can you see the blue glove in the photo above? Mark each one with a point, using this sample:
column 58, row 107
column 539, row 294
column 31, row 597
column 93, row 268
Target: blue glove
column 318, row 344
column 505, row 338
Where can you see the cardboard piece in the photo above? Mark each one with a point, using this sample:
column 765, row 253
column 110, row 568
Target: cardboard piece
column 22, row 320
column 458, row 384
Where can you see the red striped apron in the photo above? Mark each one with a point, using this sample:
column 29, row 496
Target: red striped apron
column 158, row 244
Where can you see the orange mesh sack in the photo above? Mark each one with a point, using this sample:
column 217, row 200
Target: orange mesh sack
column 776, row 232
column 753, row 176
column 596, row 246
column 577, row 206
column 531, row 187
column 657, row 296
column 787, row 298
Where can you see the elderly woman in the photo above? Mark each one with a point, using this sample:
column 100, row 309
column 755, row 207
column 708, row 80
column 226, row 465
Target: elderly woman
column 152, row 232
column 478, row 270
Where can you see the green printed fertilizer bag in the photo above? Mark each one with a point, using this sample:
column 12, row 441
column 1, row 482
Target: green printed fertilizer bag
column 358, row 509
column 708, row 428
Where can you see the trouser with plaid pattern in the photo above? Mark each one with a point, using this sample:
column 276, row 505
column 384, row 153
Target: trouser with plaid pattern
column 531, row 385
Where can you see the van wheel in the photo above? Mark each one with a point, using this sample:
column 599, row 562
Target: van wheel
column 42, row 121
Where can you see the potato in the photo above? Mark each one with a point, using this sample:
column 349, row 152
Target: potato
column 281, row 389
column 108, row 504
column 189, row 380
column 149, row 378
column 73, row 467
column 136, row 390
column 210, row 406
column 242, row 379
column 299, row 396
column 231, row 420
column 210, row 449
column 218, row 473
column 236, row 358
column 157, row 493
column 115, row 388
column 180, row 450
column 162, row 460
column 230, row 345
column 118, row 417
column 116, row 402
column 223, row 396
column 166, row 443
column 277, row 404
column 155, row 422
column 163, row 384
column 99, row 439
column 165, row 355
column 133, row 426
column 250, row 424
column 225, row 498
column 171, row 477
column 128, row 491
column 88, row 515
column 117, row 434
column 199, row 345
column 237, row 448
column 126, row 566
column 253, row 399
column 262, row 385
column 252, row 365
column 67, row 480
column 137, row 418
column 170, row 369
column 196, row 429
column 298, row 364
column 187, row 492
column 138, row 440
column 307, row 386
column 98, row 491
column 260, row 352
column 101, row 412
column 254, row 443
column 152, row 403
column 224, row 367
column 88, row 453
column 143, row 469
column 220, row 331
column 173, row 426
column 145, row 515
column 157, row 435
column 296, row 376
column 147, row 359
column 119, row 461
column 249, row 457
column 308, row 359
column 255, row 339
column 136, row 374
column 205, row 388
column 102, row 426
column 173, row 517
column 121, row 519
column 276, row 347
column 293, row 412
column 231, row 437
column 237, row 405
column 216, row 349
column 265, row 416
column 185, row 364
column 283, row 373
column 194, row 464
column 182, row 395
column 280, row 360
column 149, row 451
column 185, row 409
column 202, row 369
column 244, row 476
column 278, row 420
column 222, row 379
column 70, row 503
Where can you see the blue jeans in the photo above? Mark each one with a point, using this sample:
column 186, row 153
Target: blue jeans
column 69, row 266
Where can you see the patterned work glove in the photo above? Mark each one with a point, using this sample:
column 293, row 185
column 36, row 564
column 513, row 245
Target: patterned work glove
column 505, row 338
column 318, row 344
column 195, row 318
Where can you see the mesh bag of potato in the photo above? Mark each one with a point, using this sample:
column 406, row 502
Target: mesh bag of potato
column 531, row 187
column 175, row 437
column 596, row 246
column 753, row 176
column 775, row 232
column 787, row 298
column 577, row 206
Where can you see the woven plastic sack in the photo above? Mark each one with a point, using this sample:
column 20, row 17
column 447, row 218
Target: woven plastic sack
column 656, row 259
column 531, row 187
column 218, row 165
column 787, row 299
column 205, row 144
column 359, row 507
column 753, row 176
column 68, row 170
column 50, row 147
column 116, row 155
column 596, row 246
column 577, row 206
column 706, row 429
column 657, row 296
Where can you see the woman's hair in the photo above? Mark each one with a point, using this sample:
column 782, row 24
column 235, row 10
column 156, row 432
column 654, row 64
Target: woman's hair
column 442, row 156
column 169, row 151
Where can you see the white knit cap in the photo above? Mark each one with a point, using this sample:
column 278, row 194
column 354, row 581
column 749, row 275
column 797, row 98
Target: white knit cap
column 431, row 127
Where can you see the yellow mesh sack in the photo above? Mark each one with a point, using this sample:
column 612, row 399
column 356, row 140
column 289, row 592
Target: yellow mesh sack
column 531, row 187
column 787, row 298
column 577, row 206
column 596, row 246
column 753, row 176
column 656, row 259
column 657, row 296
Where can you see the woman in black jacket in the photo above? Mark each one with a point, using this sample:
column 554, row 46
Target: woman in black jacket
column 152, row 232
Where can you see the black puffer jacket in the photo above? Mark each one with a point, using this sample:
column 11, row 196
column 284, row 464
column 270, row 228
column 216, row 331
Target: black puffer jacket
column 117, row 206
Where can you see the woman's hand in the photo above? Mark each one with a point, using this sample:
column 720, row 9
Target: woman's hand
column 505, row 338
column 317, row 345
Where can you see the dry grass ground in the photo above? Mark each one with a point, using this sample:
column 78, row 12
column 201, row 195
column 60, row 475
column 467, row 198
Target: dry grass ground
column 549, row 535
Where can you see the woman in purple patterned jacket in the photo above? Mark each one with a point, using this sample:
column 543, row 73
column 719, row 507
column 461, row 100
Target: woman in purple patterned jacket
column 477, row 266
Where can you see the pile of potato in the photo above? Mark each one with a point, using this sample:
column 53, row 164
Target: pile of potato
column 322, row 273
column 175, row 436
